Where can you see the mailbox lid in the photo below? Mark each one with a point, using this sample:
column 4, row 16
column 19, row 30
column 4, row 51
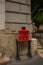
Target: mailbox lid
column 23, row 36
column 21, row 31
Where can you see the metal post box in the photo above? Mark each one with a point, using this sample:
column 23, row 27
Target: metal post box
column 23, row 36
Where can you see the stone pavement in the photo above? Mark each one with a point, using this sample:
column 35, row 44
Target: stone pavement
column 23, row 60
column 36, row 60
column 6, row 60
column 40, row 47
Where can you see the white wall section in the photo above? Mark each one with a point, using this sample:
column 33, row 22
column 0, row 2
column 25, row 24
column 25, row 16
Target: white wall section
column 18, row 14
column 18, row 18
column 2, row 14
column 16, row 27
column 12, row 6
column 25, row 9
column 22, row 1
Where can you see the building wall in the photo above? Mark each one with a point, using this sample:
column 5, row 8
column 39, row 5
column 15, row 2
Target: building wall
column 18, row 14
column 2, row 14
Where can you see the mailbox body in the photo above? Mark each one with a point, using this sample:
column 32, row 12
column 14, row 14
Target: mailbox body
column 23, row 36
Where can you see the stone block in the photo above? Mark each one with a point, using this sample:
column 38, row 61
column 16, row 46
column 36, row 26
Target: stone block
column 0, row 55
column 33, row 46
column 12, row 6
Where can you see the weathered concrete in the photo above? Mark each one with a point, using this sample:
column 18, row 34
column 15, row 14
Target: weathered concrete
column 8, row 44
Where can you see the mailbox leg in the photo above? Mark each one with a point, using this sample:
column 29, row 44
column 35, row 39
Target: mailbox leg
column 17, row 53
column 29, row 51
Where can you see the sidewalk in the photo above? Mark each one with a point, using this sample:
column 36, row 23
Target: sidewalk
column 40, row 47
column 36, row 60
column 24, row 59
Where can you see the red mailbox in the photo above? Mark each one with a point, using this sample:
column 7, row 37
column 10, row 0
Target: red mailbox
column 23, row 36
